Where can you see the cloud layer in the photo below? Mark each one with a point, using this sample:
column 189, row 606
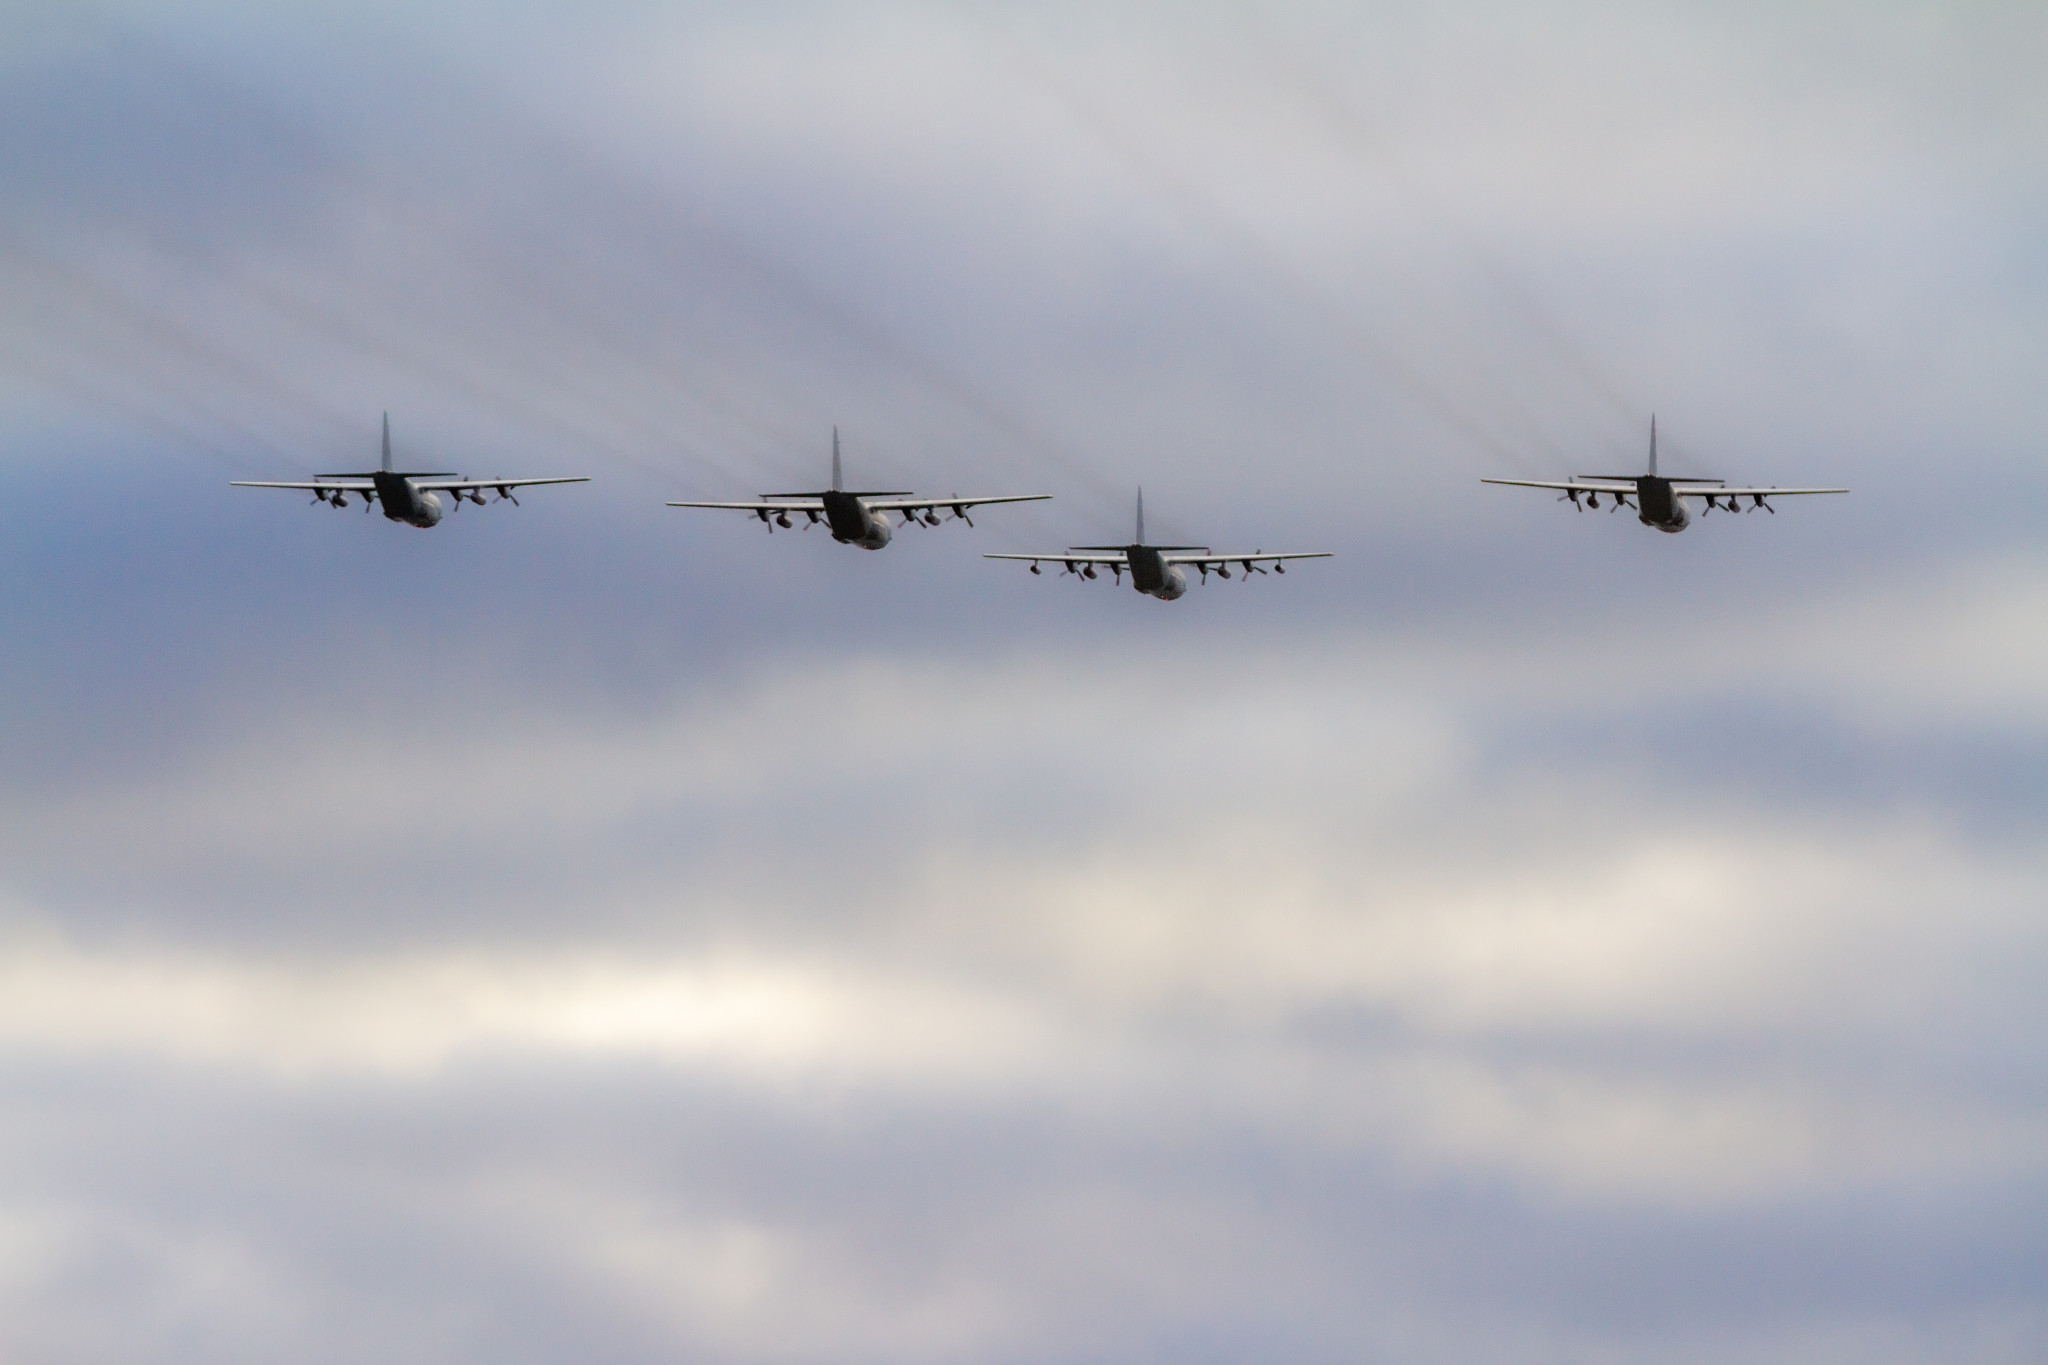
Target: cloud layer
column 592, row 929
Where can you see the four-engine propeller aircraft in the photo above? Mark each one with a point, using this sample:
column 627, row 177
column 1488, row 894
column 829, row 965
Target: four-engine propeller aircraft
column 407, row 497
column 1157, row 570
column 856, row 518
column 1660, row 498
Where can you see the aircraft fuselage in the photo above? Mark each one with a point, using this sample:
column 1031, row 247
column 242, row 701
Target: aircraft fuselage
column 403, row 502
column 1153, row 576
column 1658, row 506
column 852, row 523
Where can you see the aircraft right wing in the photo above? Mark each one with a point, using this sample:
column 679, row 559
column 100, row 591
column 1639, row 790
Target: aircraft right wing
column 1214, row 563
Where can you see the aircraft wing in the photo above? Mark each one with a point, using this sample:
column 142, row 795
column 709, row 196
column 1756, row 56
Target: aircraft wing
column 479, row 485
column 1582, row 485
column 959, row 505
column 347, row 485
column 1073, row 559
column 1694, row 492
column 363, row 485
column 1683, row 488
column 1209, row 561
column 763, row 505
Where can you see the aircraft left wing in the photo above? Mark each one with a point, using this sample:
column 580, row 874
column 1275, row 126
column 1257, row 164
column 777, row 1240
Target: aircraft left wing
column 347, row 485
column 763, row 505
column 1567, row 485
column 1070, row 558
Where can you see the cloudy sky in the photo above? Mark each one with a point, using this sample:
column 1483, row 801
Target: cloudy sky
column 596, row 931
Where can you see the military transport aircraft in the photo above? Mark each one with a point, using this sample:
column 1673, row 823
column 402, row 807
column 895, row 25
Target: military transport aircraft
column 407, row 497
column 855, row 518
column 1157, row 569
column 1660, row 498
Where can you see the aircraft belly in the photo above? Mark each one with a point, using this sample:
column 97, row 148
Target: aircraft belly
column 1148, row 572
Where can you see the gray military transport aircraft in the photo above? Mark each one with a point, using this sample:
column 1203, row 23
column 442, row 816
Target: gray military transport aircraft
column 407, row 497
column 856, row 518
column 1660, row 498
column 1157, row 570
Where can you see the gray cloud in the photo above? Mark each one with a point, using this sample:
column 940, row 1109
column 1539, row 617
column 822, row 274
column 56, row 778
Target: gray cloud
column 602, row 930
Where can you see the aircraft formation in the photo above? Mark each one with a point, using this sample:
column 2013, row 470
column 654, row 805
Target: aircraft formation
column 862, row 517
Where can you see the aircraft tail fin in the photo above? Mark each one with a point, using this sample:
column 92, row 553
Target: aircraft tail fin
column 1653, row 443
column 1141, row 515
column 835, row 457
column 387, row 443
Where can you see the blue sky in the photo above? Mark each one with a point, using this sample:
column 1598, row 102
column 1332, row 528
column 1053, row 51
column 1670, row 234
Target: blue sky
column 593, row 928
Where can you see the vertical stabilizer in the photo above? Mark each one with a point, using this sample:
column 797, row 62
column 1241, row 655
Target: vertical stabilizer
column 835, row 457
column 1653, row 443
column 1141, row 515
column 387, row 443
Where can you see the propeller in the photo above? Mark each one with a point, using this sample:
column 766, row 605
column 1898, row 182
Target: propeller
column 1205, row 570
column 505, row 495
column 1572, row 496
column 1118, row 570
column 368, row 499
column 960, row 514
column 1250, row 569
column 1759, row 497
